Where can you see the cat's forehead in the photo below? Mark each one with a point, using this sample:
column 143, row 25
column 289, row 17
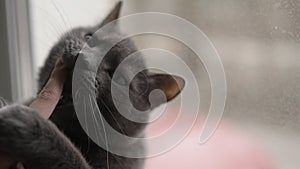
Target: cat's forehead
column 108, row 35
column 124, row 54
column 83, row 29
column 120, row 48
column 77, row 33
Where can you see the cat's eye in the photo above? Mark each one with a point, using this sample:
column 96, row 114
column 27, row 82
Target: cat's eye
column 88, row 36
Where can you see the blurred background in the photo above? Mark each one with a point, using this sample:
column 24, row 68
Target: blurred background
column 258, row 42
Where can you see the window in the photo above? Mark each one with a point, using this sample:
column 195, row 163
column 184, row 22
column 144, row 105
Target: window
column 32, row 27
column 50, row 18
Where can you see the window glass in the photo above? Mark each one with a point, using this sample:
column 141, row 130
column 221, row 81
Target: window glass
column 50, row 18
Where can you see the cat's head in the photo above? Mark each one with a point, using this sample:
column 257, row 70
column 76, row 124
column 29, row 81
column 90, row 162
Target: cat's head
column 140, row 87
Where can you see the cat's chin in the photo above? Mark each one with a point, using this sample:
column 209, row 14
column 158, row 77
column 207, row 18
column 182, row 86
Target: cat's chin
column 70, row 59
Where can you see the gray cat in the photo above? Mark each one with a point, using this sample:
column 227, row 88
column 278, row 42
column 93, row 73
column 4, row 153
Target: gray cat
column 61, row 143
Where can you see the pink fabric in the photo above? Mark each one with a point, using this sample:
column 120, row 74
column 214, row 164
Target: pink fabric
column 227, row 149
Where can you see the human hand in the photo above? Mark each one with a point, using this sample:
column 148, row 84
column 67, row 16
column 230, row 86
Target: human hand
column 44, row 103
column 49, row 96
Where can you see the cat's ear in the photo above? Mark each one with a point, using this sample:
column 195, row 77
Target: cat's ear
column 171, row 85
column 113, row 15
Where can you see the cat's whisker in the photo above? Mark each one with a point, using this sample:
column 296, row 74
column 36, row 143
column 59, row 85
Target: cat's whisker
column 95, row 122
column 51, row 28
column 87, row 130
column 45, row 40
column 106, row 139
column 122, row 131
column 49, row 39
column 63, row 17
column 55, row 27
column 59, row 29
column 66, row 16
column 51, row 19
column 112, row 114
column 54, row 30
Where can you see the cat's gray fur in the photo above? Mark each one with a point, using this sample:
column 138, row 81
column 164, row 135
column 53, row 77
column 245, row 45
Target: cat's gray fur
column 61, row 143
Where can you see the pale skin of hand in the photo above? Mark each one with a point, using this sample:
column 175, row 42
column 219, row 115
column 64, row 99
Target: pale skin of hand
column 44, row 103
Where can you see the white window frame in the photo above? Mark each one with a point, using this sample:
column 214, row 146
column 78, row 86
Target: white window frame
column 20, row 55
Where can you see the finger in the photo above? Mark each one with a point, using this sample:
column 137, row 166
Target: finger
column 19, row 166
column 6, row 161
column 51, row 93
